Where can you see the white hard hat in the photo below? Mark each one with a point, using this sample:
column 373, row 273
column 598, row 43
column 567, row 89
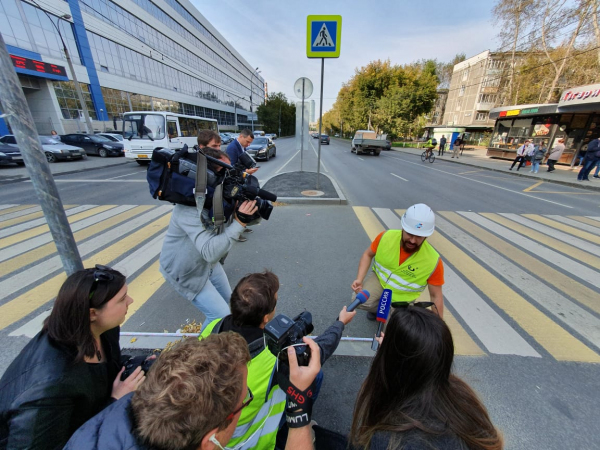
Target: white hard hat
column 419, row 220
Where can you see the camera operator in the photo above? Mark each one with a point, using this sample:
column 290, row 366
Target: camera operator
column 253, row 305
column 192, row 399
column 234, row 150
column 192, row 248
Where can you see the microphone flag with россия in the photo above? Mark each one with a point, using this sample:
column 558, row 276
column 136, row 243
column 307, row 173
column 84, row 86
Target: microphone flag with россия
column 383, row 312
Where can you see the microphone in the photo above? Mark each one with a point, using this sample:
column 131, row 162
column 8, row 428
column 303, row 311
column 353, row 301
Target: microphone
column 361, row 297
column 267, row 195
column 383, row 311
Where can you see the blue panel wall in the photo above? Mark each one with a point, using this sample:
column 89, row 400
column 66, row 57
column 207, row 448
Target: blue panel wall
column 88, row 61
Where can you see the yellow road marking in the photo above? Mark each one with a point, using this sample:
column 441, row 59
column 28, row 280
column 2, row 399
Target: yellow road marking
column 562, row 282
column 533, row 186
column 143, row 287
column 463, row 343
column 38, row 253
column 555, row 339
column 566, row 228
column 15, row 209
column 17, row 220
column 369, row 222
column 28, row 234
column 470, row 171
column 586, row 220
column 41, row 294
column 554, row 244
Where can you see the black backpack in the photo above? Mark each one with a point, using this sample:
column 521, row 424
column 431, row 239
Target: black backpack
column 433, row 141
column 165, row 181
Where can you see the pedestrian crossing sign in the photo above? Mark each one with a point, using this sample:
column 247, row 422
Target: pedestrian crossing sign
column 323, row 36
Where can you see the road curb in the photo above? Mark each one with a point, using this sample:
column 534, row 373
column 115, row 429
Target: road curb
column 340, row 200
column 70, row 172
column 587, row 187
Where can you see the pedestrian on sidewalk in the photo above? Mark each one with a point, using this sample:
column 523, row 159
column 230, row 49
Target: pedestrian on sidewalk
column 555, row 154
column 456, row 147
column 591, row 158
column 522, row 152
column 442, row 146
column 538, row 156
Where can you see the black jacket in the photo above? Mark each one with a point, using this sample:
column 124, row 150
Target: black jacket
column 45, row 397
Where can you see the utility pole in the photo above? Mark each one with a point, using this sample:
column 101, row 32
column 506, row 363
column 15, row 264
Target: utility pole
column 14, row 105
column 71, row 68
column 280, row 103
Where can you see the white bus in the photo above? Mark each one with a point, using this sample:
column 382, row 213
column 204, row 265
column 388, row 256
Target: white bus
column 144, row 131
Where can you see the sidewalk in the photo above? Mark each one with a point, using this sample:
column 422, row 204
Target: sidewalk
column 477, row 158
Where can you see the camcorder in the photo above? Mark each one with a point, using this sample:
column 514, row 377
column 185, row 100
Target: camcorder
column 134, row 362
column 282, row 332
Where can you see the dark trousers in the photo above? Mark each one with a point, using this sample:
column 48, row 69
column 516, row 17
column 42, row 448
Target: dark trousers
column 551, row 163
column 520, row 160
column 441, row 149
column 588, row 165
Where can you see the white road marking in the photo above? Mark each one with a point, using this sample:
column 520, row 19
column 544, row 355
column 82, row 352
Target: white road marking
column 127, row 266
column 41, row 221
column 556, row 234
column 397, row 176
column 575, row 223
column 317, row 155
column 487, row 184
column 547, row 298
column 21, row 213
column 360, row 158
column 49, row 266
column 7, row 206
column 566, row 264
column 126, row 175
column 37, row 241
column 289, row 161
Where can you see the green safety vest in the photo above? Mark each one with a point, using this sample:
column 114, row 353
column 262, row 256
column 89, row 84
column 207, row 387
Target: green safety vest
column 259, row 421
column 409, row 279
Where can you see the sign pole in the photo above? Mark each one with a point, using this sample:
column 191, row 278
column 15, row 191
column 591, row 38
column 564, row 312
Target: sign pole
column 320, row 123
column 302, row 129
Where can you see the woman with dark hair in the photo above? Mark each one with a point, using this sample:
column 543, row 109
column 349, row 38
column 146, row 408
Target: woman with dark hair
column 411, row 400
column 72, row 368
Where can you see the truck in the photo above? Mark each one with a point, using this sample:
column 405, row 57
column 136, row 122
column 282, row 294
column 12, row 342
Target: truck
column 367, row 141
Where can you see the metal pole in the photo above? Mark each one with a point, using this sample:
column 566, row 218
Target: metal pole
column 14, row 104
column 302, row 128
column 251, row 113
column 280, row 119
column 320, row 123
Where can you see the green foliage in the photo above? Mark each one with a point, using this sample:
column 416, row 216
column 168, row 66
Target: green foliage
column 269, row 114
column 388, row 98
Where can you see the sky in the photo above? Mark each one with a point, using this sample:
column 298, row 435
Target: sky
column 271, row 35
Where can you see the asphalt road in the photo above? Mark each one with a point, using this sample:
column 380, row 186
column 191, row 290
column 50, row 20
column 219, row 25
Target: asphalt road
column 522, row 286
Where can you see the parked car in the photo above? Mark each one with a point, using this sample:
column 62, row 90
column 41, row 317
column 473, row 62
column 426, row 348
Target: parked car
column 112, row 136
column 336, row 135
column 271, row 136
column 258, row 133
column 225, row 138
column 315, row 135
column 54, row 149
column 10, row 154
column 94, row 144
column 324, row 139
column 262, row 148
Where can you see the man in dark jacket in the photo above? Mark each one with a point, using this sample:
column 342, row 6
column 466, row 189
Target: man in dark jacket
column 192, row 399
column 442, row 146
column 591, row 158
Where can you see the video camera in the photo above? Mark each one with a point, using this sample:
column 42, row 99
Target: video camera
column 282, row 332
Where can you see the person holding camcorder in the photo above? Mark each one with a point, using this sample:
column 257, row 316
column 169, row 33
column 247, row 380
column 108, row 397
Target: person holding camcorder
column 253, row 305
column 192, row 248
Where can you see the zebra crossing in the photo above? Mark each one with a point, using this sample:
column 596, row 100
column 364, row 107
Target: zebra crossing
column 503, row 281
column 516, row 284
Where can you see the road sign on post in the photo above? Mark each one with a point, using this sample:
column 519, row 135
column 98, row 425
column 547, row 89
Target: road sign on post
column 323, row 40
column 323, row 36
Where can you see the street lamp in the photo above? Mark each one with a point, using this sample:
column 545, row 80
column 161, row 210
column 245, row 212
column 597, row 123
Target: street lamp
column 234, row 111
column 251, row 79
column 71, row 69
column 281, row 103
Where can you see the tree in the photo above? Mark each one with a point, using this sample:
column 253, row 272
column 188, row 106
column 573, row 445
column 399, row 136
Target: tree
column 277, row 106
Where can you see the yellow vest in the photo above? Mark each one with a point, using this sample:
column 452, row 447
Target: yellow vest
column 259, row 422
column 409, row 279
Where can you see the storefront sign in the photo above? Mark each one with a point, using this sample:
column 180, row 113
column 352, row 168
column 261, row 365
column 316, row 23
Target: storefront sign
column 38, row 66
column 579, row 95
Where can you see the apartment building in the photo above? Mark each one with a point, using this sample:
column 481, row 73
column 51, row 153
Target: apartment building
column 128, row 55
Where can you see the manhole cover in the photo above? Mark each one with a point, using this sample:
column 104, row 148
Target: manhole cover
column 313, row 193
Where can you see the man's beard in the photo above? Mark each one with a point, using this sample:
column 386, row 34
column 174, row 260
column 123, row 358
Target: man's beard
column 410, row 250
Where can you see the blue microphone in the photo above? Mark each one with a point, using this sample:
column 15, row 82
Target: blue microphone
column 361, row 297
column 383, row 311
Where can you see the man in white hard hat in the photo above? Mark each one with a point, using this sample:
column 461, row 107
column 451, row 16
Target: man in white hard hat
column 405, row 263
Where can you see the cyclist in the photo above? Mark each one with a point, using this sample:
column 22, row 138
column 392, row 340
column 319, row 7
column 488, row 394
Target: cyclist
column 429, row 146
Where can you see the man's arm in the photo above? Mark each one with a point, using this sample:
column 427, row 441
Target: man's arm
column 363, row 268
column 435, row 293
